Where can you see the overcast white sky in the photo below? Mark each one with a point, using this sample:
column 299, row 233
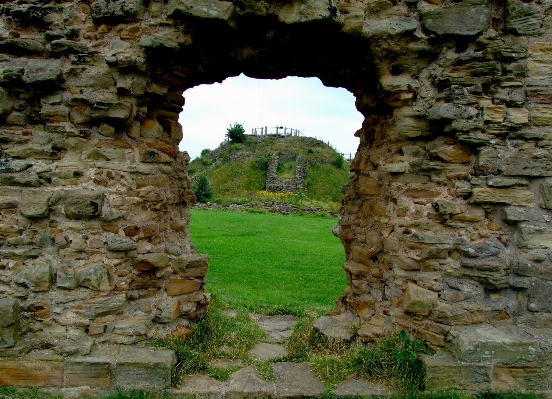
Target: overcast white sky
column 299, row 103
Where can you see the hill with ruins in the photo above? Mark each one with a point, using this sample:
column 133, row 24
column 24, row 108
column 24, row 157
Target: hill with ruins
column 276, row 164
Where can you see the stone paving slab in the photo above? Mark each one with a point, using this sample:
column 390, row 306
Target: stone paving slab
column 277, row 328
column 247, row 383
column 263, row 351
column 294, row 380
column 199, row 385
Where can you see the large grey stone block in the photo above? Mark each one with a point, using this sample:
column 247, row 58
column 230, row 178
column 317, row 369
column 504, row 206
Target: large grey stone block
column 444, row 372
column 461, row 19
column 485, row 343
column 146, row 369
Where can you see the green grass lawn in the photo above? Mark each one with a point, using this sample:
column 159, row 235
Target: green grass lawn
column 271, row 263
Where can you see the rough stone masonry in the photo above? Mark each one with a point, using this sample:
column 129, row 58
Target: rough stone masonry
column 446, row 223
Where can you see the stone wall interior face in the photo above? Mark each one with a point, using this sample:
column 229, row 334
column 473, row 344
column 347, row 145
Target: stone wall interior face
column 446, row 223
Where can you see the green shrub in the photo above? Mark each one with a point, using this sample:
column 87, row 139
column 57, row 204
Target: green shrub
column 205, row 151
column 202, row 189
column 338, row 161
column 236, row 133
column 262, row 162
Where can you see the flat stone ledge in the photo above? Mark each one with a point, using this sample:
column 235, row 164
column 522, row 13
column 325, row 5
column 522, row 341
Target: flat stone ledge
column 199, row 385
column 490, row 344
column 148, row 369
column 294, row 380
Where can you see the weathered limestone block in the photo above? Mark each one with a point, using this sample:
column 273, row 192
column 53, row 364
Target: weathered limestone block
column 151, row 261
column 468, row 18
column 408, row 124
column 210, row 9
column 528, row 377
column 517, row 116
column 444, row 372
column 12, row 71
column 9, row 322
column 545, row 190
column 116, row 242
column 541, row 115
column 534, row 235
column 418, row 300
column 82, row 204
column 93, row 370
column 520, row 214
column 35, row 204
column 193, row 265
column 162, row 42
column 121, row 10
column 168, row 309
column 31, row 373
column 492, row 272
column 368, row 186
column 522, row 18
column 403, row 262
column 334, row 327
column 177, row 286
column 491, row 344
column 494, row 113
column 59, row 47
column 450, row 112
column 13, row 165
column 101, row 306
column 389, row 26
column 508, row 196
column 451, row 153
column 151, row 128
column 37, row 276
column 448, row 207
column 534, row 264
column 309, row 11
column 39, row 71
column 137, row 326
column 97, row 77
column 539, row 296
column 21, row 46
column 144, row 368
column 95, row 276
column 489, row 248
column 460, row 315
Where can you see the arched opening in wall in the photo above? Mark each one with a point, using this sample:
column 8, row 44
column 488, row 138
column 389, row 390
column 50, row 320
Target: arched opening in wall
column 295, row 157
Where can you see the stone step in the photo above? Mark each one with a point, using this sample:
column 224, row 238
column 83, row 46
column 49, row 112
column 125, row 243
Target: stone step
column 291, row 380
column 504, row 344
column 445, row 372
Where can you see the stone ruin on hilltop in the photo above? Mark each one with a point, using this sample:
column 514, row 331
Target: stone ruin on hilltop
column 446, row 223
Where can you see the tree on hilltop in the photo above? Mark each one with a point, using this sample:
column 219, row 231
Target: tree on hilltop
column 236, row 133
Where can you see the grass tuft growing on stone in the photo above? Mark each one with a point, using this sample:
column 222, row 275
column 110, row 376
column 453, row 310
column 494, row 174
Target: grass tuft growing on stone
column 214, row 336
column 396, row 360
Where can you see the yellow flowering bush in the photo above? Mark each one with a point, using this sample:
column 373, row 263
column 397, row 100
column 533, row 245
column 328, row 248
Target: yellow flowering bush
column 288, row 197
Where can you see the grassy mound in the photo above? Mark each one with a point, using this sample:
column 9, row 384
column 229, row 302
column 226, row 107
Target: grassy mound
column 236, row 172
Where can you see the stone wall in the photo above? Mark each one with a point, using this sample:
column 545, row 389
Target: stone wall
column 446, row 223
column 276, row 184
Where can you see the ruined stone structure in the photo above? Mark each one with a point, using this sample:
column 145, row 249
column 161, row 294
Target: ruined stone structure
column 446, row 223
column 277, row 184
